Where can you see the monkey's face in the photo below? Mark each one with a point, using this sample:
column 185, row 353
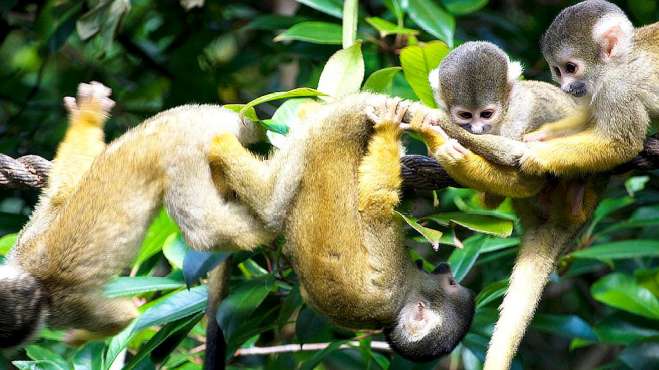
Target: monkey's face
column 22, row 307
column 435, row 317
column 479, row 120
column 584, row 42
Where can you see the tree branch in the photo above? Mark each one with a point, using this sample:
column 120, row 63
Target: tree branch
column 377, row 345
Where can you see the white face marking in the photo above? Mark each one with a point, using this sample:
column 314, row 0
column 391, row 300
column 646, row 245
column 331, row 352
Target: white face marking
column 10, row 272
column 417, row 320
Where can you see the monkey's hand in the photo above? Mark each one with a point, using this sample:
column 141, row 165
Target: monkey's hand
column 391, row 117
column 423, row 123
column 451, row 153
column 531, row 162
column 93, row 105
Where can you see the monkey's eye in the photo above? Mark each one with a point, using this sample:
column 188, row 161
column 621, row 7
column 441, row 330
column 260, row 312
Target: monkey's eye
column 486, row 114
column 557, row 71
column 465, row 115
column 570, row 67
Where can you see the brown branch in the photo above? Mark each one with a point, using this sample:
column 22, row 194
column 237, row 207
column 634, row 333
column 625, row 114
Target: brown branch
column 376, row 345
column 28, row 171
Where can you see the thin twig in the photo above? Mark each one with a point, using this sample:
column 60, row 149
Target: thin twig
column 376, row 345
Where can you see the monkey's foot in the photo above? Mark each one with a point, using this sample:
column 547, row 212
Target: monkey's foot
column 393, row 112
column 451, row 152
column 92, row 105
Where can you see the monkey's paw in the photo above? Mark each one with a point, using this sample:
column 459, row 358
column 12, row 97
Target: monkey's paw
column 92, row 105
column 531, row 164
column 393, row 112
column 451, row 152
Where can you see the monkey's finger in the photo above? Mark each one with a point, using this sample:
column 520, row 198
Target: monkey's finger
column 100, row 89
column 440, row 131
column 84, row 90
column 459, row 147
column 70, row 103
column 370, row 113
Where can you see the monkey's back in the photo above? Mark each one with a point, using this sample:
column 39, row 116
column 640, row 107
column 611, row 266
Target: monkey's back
column 338, row 257
column 100, row 226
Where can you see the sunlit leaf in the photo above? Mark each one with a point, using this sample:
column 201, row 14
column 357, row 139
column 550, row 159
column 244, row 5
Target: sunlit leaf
column 433, row 19
column 176, row 306
column 343, row 73
column 90, row 356
column 350, row 16
column 431, row 235
column 387, row 28
column 7, row 243
column 622, row 292
column 417, row 62
column 461, row 7
column 131, row 286
column 161, row 229
column 314, row 32
column 484, row 224
column 380, row 81
column 38, row 353
column 295, row 93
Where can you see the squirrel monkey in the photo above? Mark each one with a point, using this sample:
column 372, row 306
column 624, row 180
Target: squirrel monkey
column 478, row 77
column 341, row 230
column 92, row 217
column 597, row 55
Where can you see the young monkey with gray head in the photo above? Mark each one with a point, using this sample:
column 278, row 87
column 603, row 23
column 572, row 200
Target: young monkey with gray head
column 478, row 77
column 597, row 55
column 341, row 230
column 92, row 217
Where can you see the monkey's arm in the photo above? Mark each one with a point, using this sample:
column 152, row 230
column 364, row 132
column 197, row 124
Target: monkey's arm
column 82, row 142
column 562, row 127
column 474, row 171
column 379, row 172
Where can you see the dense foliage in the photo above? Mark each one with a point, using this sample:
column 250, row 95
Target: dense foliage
column 600, row 311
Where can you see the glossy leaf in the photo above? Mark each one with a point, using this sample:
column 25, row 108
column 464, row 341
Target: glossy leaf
column 491, row 293
column 622, row 292
column 617, row 329
column 174, row 249
column 387, row 28
column 461, row 260
column 343, row 73
column 239, row 305
column 432, row 236
column 7, row 243
column 462, row 7
column 161, row 229
column 295, row 93
column 176, row 306
column 197, row 264
column 132, row 286
column 433, row 19
column 314, row 32
column 350, row 16
column 621, row 249
column 380, row 81
column 484, row 224
column 331, row 7
column 570, row 326
column 417, row 62
column 90, row 356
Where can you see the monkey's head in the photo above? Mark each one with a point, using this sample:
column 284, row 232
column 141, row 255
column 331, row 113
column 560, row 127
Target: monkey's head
column 23, row 306
column 434, row 317
column 584, row 42
column 473, row 83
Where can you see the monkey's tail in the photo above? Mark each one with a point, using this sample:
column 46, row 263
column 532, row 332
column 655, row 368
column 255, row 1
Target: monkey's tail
column 218, row 284
column 536, row 259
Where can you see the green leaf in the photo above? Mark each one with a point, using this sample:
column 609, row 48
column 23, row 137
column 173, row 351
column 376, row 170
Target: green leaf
column 117, row 344
column 197, row 264
column 432, row 19
column 461, row 260
column 176, row 306
column 431, row 235
column 350, row 15
column 131, row 286
column 484, row 224
column 331, row 7
column 610, row 205
column 103, row 20
column 491, row 293
column 38, row 353
column 273, row 22
column 622, row 292
column 616, row 329
column 286, row 116
column 174, row 249
column 343, row 73
column 318, row 357
column 314, row 32
column 621, row 249
column 387, row 28
column 182, row 326
column 635, row 184
column 380, row 81
column 90, row 356
column 569, row 326
column 462, row 7
column 7, row 243
column 396, row 9
column 249, row 112
column 295, row 93
column 161, row 228
column 235, row 310
column 38, row 365
column 417, row 62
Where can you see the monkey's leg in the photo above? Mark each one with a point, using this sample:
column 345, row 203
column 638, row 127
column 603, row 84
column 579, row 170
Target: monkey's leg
column 540, row 248
column 266, row 186
column 206, row 218
column 379, row 172
column 472, row 170
column 82, row 142
column 100, row 317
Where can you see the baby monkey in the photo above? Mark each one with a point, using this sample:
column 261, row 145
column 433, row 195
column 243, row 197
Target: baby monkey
column 91, row 219
column 341, row 231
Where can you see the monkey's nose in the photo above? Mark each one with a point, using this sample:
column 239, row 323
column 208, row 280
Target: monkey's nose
column 577, row 88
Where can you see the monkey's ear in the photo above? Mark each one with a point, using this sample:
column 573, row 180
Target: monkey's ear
column 515, row 70
column 433, row 78
column 614, row 34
